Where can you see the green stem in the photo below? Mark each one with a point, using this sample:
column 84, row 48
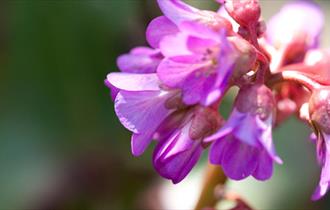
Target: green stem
column 214, row 176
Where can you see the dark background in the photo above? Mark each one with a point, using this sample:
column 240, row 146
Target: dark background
column 61, row 145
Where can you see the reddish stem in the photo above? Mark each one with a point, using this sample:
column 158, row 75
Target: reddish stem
column 294, row 76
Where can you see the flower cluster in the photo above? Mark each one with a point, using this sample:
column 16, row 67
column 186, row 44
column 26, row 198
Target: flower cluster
column 170, row 92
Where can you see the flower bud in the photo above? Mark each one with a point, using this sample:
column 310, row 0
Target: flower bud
column 244, row 12
column 255, row 99
column 319, row 109
column 246, row 56
column 215, row 21
column 205, row 122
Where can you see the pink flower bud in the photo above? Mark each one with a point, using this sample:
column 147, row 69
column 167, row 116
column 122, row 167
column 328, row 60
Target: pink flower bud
column 257, row 100
column 244, row 12
column 246, row 56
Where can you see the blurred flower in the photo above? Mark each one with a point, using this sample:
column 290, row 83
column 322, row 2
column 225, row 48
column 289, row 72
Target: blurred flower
column 294, row 24
column 292, row 31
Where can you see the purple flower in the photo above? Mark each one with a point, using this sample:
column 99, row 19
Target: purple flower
column 319, row 114
column 243, row 146
column 180, row 141
column 198, row 61
column 140, row 105
column 175, row 13
column 178, row 12
column 299, row 22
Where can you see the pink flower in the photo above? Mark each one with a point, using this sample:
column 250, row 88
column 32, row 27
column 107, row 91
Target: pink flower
column 243, row 146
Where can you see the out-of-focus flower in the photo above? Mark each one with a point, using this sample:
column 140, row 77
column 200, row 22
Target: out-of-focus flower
column 294, row 30
column 243, row 146
column 299, row 21
column 319, row 108
column 316, row 65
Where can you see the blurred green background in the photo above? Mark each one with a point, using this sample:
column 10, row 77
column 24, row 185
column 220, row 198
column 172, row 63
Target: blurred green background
column 61, row 145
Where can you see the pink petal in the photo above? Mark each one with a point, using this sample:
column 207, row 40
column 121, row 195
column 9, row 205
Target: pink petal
column 158, row 28
column 174, row 45
column 200, row 45
column 140, row 142
column 133, row 82
column 141, row 111
column 177, row 11
column 239, row 160
column 139, row 60
column 173, row 73
column 264, row 169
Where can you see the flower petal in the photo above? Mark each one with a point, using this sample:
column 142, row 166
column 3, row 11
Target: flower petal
column 199, row 45
column 158, row 28
column 173, row 45
column 196, row 87
column 141, row 111
column 174, row 158
column 139, row 60
column 264, row 169
column 177, row 11
column 140, row 142
column 266, row 138
column 239, row 159
column 113, row 90
column 217, row 151
column 324, row 183
column 173, row 73
column 194, row 28
column 133, row 82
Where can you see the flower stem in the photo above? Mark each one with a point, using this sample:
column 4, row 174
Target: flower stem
column 213, row 177
column 293, row 76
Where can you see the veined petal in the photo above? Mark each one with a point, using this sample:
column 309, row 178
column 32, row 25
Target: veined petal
column 140, row 142
column 324, row 182
column 158, row 28
column 196, row 87
column 177, row 11
column 248, row 131
column 173, row 73
column 265, row 138
column 197, row 29
column 217, row 151
column 173, row 45
column 264, row 169
column 239, row 160
column 175, row 157
column 141, row 111
column 133, row 82
column 200, row 45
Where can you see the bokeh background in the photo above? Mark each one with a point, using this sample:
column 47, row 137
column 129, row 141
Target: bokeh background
column 61, row 145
